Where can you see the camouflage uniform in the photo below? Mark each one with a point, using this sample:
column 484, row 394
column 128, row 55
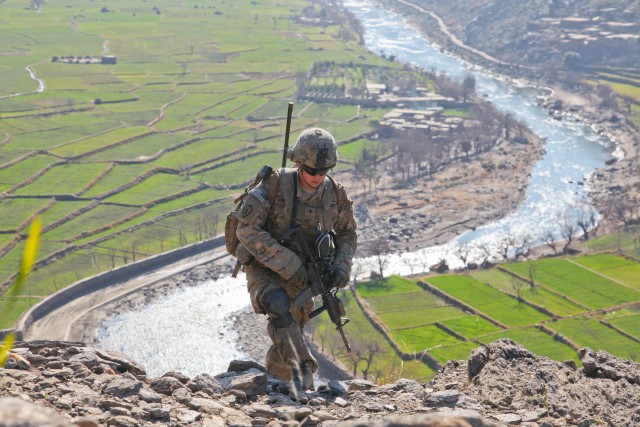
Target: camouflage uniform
column 261, row 223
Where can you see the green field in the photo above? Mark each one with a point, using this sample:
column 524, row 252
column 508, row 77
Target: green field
column 176, row 126
column 495, row 304
column 587, row 332
column 589, row 288
column 629, row 324
column 534, row 294
column 626, row 241
column 418, row 321
column 387, row 365
column 622, row 270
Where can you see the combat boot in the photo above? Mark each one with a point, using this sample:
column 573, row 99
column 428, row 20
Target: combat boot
column 302, row 381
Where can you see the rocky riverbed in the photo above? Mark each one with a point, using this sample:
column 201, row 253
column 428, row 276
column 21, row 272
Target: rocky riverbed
column 70, row 384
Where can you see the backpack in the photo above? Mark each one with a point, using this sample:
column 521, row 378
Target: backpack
column 230, row 238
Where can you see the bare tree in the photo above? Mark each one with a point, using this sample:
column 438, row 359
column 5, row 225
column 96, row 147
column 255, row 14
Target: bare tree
column 532, row 277
column 586, row 221
column 371, row 349
column 466, row 147
column 410, row 262
column 485, row 251
column 468, row 87
column 608, row 97
column 462, row 251
column 517, row 286
column 367, row 167
column 620, row 209
column 522, row 246
column 568, row 232
column 379, row 248
column 507, row 122
column 550, row 240
column 506, row 244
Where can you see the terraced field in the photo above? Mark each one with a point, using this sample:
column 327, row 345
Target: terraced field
column 130, row 159
column 442, row 317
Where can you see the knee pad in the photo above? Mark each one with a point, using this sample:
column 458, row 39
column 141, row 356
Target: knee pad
column 277, row 305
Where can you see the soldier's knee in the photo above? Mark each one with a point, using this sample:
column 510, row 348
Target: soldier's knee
column 277, row 305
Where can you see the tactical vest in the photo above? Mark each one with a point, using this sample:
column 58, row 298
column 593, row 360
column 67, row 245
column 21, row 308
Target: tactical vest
column 312, row 218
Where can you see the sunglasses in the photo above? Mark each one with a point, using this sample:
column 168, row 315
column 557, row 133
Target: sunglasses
column 314, row 172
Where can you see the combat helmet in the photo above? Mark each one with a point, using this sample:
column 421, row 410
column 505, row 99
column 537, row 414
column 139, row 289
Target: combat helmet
column 315, row 148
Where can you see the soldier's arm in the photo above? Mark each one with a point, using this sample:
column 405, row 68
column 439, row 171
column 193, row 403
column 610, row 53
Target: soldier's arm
column 346, row 236
column 252, row 218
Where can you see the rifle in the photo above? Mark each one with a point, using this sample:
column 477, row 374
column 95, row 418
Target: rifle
column 320, row 275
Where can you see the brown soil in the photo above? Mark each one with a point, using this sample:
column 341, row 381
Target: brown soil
column 460, row 197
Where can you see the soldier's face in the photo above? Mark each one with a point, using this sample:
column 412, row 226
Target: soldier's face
column 307, row 180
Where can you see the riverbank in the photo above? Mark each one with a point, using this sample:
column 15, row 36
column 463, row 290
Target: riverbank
column 614, row 188
column 617, row 184
column 462, row 196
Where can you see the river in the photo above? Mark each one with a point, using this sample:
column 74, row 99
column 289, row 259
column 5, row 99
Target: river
column 189, row 330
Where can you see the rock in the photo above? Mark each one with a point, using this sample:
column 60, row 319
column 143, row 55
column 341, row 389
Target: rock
column 600, row 364
column 87, row 359
column 16, row 412
column 243, row 365
column 409, row 386
column 181, row 395
column 479, row 356
column 121, row 362
column 355, row 385
column 160, row 413
column 177, row 375
column 206, row 383
column 252, row 384
column 62, row 372
column 123, row 387
column 288, row 413
column 259, row 411
column 439, row 399
column 420, row 421
column 508, row 419
column 149, row 396
column 372, row 407
column 188, row 416
column 122, row 421
column 166, row 385
column 18, row 362
column 207, row 406
column 508, row 385
column 341, row 402
column 338, row 388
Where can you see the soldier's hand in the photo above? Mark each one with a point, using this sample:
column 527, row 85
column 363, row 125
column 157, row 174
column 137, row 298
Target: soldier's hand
column 300, row 277
column 340, row 279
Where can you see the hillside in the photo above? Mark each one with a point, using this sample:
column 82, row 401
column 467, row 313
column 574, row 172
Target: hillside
column 64, row 384
column 538, row 34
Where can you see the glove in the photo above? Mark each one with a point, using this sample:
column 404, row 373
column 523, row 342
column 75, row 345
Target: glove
column 340, row 279
column 300, row 278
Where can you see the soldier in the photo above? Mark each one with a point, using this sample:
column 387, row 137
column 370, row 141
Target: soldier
column 275, row 273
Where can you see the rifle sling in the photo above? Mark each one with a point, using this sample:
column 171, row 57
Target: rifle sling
column 294, row 206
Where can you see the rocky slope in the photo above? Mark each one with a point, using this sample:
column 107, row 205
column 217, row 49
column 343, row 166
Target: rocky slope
column 64, row 384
